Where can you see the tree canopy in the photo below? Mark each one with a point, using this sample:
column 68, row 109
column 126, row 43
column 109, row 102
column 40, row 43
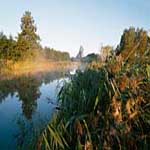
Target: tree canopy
column 134, row 42
column 28, row 40
column 27, row 44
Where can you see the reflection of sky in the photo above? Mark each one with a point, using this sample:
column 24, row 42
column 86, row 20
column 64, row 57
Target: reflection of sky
column 11, row 112
column 48, row 91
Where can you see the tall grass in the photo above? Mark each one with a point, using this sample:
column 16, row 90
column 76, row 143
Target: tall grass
column 105, row 107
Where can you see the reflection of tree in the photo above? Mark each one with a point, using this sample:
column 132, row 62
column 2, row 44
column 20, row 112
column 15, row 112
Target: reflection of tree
column 28, row 134
column 27, row 89
column 6, row 88
column 51, row 76
column 28, row 93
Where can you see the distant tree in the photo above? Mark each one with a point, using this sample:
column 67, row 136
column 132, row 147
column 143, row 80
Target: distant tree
column 80, row 53
column 28, row 40
column 55, row 55
column 91, row 57
column 106, row 52
column 3, row 45
column 7, row 47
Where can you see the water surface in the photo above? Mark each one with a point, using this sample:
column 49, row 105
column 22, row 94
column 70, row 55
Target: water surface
column 26, row 106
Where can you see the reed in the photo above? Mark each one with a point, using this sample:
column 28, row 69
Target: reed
column 105, row 107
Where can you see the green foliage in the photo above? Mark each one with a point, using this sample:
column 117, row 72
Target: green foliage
column 90, row 58
column 54, row 55
column 107, row 107
column 7, row 46
column 27, row 46
column 133, row 43
column 28, row 40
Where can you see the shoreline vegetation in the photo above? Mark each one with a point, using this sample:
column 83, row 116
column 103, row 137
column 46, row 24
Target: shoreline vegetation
column 20, row 68
column 107, row 106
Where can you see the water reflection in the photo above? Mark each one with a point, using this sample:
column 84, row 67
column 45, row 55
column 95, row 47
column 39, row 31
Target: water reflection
column 27, row 90
column 26, row 105
column 28, row 93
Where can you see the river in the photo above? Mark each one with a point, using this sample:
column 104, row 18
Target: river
column 26, row 106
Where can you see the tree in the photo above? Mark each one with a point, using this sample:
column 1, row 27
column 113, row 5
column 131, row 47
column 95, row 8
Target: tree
column 3, row 46
column 80, row 54
column 90, row 58
column 28, row 40
column 7, row 47
column 106, row 52
column 133, row 43
column 52, row 54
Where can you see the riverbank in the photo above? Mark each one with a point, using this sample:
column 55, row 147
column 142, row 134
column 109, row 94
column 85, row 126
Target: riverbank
column 30, row 68
column 104, row 107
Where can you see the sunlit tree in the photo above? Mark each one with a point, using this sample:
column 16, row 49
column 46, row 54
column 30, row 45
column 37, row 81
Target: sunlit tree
column 28, row 39
column 133, row 43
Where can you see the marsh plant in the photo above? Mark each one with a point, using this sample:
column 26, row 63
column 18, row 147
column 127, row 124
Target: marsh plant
column 105, row 107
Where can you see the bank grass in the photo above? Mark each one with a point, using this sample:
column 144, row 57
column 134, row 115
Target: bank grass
column 105, row 107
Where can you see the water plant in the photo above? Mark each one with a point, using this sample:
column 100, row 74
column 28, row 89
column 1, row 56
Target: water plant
column 105, row 107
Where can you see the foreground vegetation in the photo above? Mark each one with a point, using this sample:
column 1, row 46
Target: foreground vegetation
column 108, row 105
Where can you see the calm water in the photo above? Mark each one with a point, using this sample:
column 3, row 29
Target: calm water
column 26, row 106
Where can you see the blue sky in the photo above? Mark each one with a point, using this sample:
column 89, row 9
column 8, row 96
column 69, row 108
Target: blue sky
column 67, row 24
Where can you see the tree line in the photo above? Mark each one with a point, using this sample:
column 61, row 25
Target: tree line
column 26, row 46
column 134, row 43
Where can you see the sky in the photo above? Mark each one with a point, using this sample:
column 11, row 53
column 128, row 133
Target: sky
column 67, row 24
